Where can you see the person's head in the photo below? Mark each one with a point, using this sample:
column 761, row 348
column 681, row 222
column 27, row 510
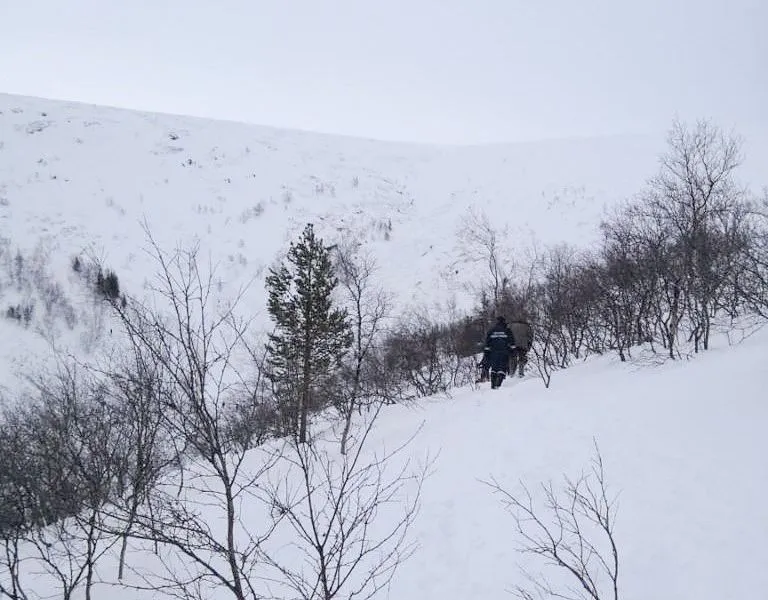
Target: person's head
column 501, row 320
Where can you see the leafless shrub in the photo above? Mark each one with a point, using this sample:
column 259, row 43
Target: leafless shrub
column 193, row 351
column 413, row 362
column 15, row 507
column 349, row 518
column 573, row 534
column 252, row 213
column 368, row 307
column 481, row 243
column 70, row 468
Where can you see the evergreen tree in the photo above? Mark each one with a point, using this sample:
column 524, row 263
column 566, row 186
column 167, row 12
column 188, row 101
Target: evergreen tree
column 312, row 335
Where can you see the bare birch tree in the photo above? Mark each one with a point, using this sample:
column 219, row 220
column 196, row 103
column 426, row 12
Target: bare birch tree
column 348, row 517
column 194, row 518
column 480, row 242
column 573, row 534
column 368, row 309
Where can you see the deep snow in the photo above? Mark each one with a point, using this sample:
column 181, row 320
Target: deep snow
column 683, row 445
column 683, row 442
column 80, row 179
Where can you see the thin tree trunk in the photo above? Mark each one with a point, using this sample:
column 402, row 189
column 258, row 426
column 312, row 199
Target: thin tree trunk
column 90, row 557
column 356, row 381
column 125, row 536
column 304, row 396
column 351, row 409
column 231, row 549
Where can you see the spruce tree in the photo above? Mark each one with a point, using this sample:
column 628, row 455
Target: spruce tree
column 311, row 334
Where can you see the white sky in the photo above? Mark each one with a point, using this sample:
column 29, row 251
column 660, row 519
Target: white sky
column 453, row 71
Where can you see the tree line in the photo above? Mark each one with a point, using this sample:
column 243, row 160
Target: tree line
column 686, row 257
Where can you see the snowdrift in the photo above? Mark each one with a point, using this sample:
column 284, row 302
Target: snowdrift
column 683, row 444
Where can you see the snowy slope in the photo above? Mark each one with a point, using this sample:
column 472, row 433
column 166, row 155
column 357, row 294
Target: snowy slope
column 79, row 179
column 684, row 442
column 87, row 175
column 683, row 445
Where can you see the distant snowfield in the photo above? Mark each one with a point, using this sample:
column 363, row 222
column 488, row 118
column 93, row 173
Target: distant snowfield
column 684, row 442
column 82, row 179
column 85, row 177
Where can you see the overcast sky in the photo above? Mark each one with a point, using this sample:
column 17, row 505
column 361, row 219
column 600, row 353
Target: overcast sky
column 454, row 71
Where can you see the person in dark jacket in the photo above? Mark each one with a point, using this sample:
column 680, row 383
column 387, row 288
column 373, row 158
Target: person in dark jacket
column 499, row 344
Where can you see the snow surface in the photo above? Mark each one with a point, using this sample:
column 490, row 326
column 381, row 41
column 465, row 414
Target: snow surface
column 79, row 179
column 683, row 442
column 684, row 445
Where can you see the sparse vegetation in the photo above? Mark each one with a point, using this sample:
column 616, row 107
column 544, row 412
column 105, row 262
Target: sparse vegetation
column 107, row 284
column 254, row 212
column 39, row 302
column 573, row 534
column 385, row 227
column 140, row 448
column 682, row 257
column 21, row 313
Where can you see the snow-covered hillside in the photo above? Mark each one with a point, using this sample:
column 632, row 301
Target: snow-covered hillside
column 684, row 442
column 86, row 176
column 79, row 179
column 684, row 449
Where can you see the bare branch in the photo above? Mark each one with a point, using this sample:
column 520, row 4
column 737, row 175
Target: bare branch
column 350, row 518
column 573, row 531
